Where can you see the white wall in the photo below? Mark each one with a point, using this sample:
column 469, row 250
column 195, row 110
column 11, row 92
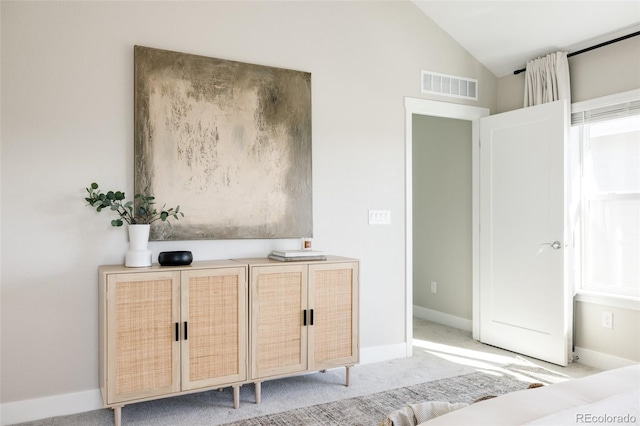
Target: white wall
column 67, row 120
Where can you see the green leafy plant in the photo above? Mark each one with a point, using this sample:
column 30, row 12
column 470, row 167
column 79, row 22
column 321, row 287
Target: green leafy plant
column 143, row 211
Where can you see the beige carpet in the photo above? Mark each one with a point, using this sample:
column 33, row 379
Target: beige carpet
column 440, row 352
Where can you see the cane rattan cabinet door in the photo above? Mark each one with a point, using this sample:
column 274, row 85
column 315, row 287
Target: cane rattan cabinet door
column 214, row 318
column 278, row 304
column 333, row 299
column 143, row 349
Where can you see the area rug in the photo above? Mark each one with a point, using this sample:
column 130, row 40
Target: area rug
column 371, row 410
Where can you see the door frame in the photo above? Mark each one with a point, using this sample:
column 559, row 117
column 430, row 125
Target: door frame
column 442, row 110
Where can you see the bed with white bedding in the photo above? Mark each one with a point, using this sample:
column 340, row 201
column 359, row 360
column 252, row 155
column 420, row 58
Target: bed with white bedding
column 609, row 397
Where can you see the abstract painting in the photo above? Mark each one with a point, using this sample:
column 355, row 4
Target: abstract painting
column 229, row 142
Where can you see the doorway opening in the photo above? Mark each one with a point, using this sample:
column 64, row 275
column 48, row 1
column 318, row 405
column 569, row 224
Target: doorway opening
column 445, row 110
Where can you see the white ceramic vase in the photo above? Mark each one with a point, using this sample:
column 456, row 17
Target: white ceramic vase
column 138, row 255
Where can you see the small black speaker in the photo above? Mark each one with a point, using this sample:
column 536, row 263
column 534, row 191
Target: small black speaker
column 175, row 258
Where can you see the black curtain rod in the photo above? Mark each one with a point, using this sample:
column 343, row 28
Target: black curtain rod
column 606, row 43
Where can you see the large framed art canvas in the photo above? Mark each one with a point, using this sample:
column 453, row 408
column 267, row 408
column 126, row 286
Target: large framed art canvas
column 229, row 142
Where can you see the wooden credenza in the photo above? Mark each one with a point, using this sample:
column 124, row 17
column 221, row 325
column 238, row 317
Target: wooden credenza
column 166, row 331
column 171, row 330
column 303, row 317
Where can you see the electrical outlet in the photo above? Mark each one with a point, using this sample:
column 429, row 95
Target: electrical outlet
column 607, row 319
column 434, row 287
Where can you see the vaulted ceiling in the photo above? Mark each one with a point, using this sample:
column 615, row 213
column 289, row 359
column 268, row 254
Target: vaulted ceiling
column 504, row 35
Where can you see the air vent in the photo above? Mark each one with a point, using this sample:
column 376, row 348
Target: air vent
column 449, row 85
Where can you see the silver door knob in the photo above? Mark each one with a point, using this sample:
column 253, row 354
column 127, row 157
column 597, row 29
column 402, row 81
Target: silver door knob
column 556, row 245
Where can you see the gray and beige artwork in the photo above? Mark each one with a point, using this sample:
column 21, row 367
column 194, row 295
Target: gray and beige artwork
column 229, row 142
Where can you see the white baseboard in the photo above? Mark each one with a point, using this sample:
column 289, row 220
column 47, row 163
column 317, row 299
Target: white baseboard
column 601, row 360
column 442, row 318
column 72, row 403
column 383, row 353
column 50, row 406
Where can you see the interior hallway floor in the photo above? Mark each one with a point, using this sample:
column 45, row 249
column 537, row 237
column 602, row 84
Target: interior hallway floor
column 458, row 347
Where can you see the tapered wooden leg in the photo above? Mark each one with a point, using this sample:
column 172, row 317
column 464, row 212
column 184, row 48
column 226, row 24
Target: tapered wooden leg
column 258, row 386
column 117, row 416
column 348, row 376
column 236, row 397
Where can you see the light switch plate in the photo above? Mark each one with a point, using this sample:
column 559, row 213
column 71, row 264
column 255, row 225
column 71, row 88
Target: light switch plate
column 379, row 217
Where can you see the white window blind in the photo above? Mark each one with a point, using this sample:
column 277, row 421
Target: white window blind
column 610, row 185
column 609, row 112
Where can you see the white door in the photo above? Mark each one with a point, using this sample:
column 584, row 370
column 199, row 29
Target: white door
column 525, row 303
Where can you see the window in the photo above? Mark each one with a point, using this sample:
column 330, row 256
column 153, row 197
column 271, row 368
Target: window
column 610, row 197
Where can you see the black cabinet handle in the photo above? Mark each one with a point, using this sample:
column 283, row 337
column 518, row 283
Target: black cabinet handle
column 177, row 332
column 186, row 330
column 311, row 317
column 304, row 318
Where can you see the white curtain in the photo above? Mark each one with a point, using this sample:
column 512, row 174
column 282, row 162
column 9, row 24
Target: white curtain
column 547, row 80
